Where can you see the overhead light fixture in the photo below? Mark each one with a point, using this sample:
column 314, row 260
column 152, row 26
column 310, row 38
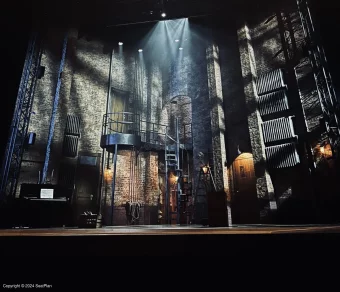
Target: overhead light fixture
column 120, row 43
column 140, row 50
column 180, row 48
column 163, row 14
column 176, row 41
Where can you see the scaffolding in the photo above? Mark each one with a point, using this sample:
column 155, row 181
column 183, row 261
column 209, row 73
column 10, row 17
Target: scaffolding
column 327, row 96
column 22, row 113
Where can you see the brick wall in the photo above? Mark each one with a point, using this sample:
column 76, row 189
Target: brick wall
column 201, row 119
column 265, row 36
column 149, row 85
column 142, row 187
column 218, row 126
column 248, row 65
column 33, row 159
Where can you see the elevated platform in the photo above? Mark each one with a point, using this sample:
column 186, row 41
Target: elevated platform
column 242, row 240
column 124, row 141
column 152, row 146
column 127, row 141
column 127, row 130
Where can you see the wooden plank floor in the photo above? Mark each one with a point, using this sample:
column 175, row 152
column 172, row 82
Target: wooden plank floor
column 173, row 230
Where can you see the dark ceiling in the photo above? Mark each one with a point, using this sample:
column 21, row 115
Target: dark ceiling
column 114, row 12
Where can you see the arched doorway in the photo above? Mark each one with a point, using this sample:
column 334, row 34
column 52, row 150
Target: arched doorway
column 245, row 209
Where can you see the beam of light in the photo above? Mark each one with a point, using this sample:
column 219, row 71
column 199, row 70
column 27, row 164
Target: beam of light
column 174, row 31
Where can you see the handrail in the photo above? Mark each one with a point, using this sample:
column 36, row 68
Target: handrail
column 171, row 138
column 127, row 122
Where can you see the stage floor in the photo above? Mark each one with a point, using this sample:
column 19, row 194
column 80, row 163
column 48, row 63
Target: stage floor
column 174, row 230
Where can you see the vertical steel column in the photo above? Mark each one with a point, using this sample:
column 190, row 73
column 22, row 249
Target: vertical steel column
column 114, row 181
column 166, row 178
column 54, row 111
column 178, row 172
column 104, row 132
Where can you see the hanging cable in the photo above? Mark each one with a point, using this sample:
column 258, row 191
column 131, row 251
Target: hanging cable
column 132, row 212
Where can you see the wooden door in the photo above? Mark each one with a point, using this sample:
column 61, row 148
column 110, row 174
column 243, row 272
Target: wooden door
column 118, row 105
column 87, row 180
column 245, row 208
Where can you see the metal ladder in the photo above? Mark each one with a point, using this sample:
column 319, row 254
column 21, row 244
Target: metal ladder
column 172, row 160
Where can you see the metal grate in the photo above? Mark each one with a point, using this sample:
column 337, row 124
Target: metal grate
column 278, row 129
column 273, row 102
column 72, row 125
column 270, row 82
column 70, row 146
column 282, row 156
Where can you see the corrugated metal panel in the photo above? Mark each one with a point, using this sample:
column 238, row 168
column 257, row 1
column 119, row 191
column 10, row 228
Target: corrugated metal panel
column 273, row 102
column 70, row 146
column 282, row 156
column 72, row 125
column 278, row 129
column 270, row 82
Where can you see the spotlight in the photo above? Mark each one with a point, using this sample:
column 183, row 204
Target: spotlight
column 140, row 50
column 163, row 14
column 180, row 48
column 176, row 41
column 120, row 43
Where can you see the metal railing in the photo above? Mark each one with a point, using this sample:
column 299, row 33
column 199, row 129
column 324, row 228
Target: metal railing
column 153, row 133
column 121, row 122
column 150, row 132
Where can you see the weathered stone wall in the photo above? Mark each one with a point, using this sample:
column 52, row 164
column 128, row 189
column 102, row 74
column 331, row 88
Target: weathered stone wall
column 218, row 126
column 33, row 158
column 248, row 65
column 84, row 94
column 201, row 119
column 267, row 52
column 223, row 73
